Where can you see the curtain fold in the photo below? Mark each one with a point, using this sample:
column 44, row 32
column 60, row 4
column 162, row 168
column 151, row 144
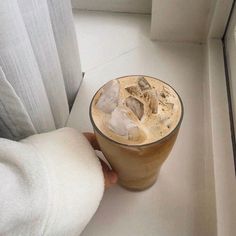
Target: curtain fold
column 14, row 127
column 67, row 47
column 40, row 62
column 38, row 25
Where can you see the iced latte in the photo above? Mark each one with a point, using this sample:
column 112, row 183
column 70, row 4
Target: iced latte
column 136, row 120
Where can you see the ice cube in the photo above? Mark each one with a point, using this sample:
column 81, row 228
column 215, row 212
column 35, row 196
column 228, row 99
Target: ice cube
column 136, row 106
column 170, row 106
column 134, row 133
column 134, row 90
column 143, row 84
column 163, row 94
column 163, row 116
column 109, row 98
column 156, row 129
column 120, row 123
column 171, row 101
column 151, row 98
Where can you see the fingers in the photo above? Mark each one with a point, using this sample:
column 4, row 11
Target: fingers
column 110, row 176
column 92, row 140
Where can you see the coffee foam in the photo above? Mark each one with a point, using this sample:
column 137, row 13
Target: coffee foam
column 153, row 127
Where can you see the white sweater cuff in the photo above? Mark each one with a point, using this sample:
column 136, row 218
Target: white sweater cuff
column 74, row 178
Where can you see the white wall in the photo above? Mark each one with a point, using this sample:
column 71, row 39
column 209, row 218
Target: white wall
column 134, row 6
column 219, row 17
column 180, row 20
column 225, row 188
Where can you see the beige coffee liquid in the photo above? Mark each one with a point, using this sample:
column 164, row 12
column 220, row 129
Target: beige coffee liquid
column 153, row 126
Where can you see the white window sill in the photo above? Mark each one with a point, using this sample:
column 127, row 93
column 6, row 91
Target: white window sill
column 187, row 198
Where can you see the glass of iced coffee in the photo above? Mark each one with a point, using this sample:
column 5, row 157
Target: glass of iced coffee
column 136, row 120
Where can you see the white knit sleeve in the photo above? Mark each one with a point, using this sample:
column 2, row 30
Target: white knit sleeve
column 50, row 184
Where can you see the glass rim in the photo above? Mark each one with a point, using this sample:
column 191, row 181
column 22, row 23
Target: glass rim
column 136, row 145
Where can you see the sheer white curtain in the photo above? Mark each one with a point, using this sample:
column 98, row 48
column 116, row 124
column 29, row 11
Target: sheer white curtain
column 39, row 66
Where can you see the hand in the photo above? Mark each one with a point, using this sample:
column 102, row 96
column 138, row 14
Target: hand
column 110, row 176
